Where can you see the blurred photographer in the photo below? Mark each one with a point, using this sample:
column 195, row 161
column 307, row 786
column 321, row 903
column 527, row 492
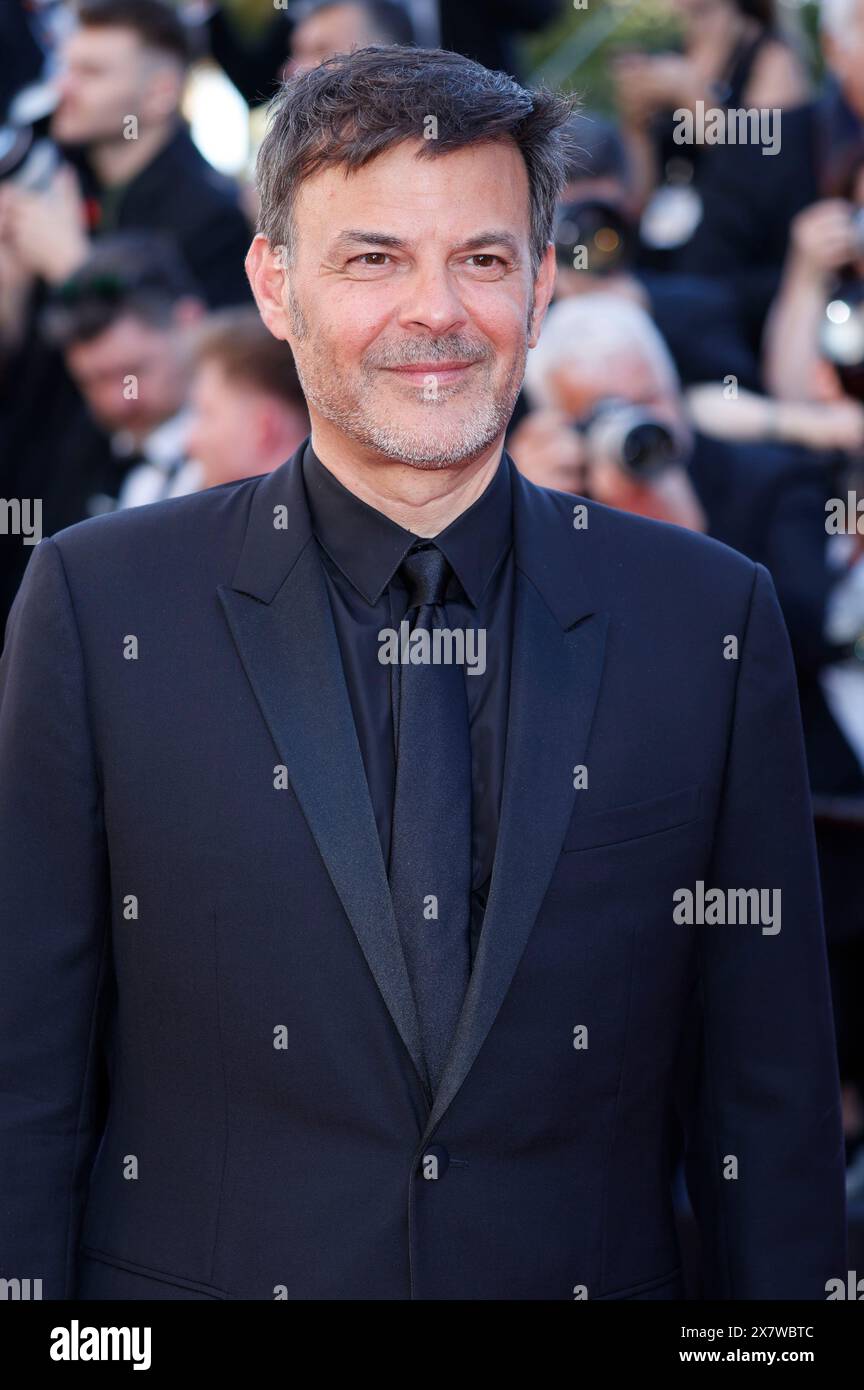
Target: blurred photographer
column 597, row 248
column 814, row 337
column 722, row 161
column 610, row 421
column 128, row 157
column 607, row 421
column 732, row 54
column 596, row 227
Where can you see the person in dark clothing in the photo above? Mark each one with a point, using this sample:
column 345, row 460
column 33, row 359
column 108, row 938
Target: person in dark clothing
column 180, row 192
column 483, row 31
column 125, row 316
column 601, row 183
column 50, row 449
column 118, row 122
column 717, row 208
column 22, row 56
column 288, row 44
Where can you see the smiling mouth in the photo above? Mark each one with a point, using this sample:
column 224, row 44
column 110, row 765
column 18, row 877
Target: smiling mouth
column 439, row 370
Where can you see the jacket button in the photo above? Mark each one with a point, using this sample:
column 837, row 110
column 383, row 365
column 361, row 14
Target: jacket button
column 434, row 1162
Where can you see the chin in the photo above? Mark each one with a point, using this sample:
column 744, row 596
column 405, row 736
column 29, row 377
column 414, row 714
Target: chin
column 65, row 131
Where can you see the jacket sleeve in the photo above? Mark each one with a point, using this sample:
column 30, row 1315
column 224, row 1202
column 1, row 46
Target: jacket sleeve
column 764, row 1144
column 54, row 933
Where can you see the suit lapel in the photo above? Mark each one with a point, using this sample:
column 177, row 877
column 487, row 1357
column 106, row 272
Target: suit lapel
column 279, row 615
column 277, row 603
column 556, row 664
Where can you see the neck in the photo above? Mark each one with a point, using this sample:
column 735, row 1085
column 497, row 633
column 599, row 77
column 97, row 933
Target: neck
column 118, row 161
column 422, row 500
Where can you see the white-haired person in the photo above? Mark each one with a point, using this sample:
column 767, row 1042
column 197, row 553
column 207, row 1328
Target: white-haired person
column 601, row 366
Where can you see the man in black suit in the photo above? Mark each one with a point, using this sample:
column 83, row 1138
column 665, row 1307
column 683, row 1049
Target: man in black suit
column 376, row 831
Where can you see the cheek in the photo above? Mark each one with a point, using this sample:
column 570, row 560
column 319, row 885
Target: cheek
column 235, row 435
column 357, row 325
column 108, row 394
column 161, row 381
column 502, row 320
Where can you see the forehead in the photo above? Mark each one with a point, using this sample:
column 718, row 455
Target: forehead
column 581, row 377
column 104, row 45
column 211, row 379
column 448, row 197
column 126, row 334
column 338, row 19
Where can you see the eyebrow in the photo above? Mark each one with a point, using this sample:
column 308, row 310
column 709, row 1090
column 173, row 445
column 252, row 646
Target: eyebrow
column 354, row 236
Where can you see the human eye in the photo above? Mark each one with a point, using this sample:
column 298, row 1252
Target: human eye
column 492, row 262
column 363, row 261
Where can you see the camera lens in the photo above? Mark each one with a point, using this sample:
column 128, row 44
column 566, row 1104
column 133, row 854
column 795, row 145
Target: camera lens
column 648, row 448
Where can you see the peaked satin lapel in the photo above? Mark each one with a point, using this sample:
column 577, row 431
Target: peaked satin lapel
column 277, row 603
column 557, row 659
column 286, row 639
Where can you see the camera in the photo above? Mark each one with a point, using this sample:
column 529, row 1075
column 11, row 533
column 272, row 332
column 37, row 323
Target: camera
column 637, row 442
column 841, row 336
column 27, row 153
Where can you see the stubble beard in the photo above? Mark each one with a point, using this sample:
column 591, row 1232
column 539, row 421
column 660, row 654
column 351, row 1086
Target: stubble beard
column 339, row 401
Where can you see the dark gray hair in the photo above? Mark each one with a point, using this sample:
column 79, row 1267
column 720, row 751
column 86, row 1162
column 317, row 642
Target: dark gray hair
column 355, row 106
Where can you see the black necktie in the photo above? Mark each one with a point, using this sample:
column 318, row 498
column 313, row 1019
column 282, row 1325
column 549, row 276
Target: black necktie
column 430, row 853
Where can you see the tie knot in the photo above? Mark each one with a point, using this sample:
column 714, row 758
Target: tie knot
column 426, row 572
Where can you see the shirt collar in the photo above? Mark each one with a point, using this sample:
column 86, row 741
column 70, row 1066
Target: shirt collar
column 369, row 548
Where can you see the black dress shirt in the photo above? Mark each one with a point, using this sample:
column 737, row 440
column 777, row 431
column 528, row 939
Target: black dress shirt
column 361, row 551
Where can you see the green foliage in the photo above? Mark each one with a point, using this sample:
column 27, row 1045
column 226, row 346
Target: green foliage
column 581, row 43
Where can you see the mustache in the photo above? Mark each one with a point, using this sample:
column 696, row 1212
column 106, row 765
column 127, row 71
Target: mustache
column 437, row 351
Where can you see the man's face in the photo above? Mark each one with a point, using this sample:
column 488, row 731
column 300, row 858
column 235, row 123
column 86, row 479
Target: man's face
column 336, row 29
column 226, row 429
column 107, row 76
column 408, row 304
column 846, row 59
column 132, row 375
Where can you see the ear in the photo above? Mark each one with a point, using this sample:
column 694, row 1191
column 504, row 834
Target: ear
column 266, row 275
column 544, row 287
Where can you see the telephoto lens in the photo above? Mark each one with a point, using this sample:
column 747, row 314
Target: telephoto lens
column 636, row 441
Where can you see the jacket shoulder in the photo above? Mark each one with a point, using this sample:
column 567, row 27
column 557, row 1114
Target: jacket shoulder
column 634, row 542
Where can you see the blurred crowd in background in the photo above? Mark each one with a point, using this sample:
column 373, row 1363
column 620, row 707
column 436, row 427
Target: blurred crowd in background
column 702, row 362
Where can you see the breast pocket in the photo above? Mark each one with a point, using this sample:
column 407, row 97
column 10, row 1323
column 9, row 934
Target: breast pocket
column 632, row 822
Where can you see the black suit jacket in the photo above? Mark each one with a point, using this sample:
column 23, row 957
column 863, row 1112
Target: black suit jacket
column 210, row 1079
